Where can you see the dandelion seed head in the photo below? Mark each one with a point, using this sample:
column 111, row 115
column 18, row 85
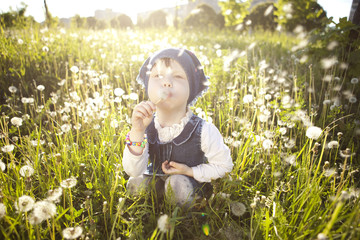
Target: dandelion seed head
column 2, row 166
column 26, row 171
column 332, row 45
column 74, row 69
column 327, row 63
column 354, row 81
column 54, row 194
column 291, row 160
column 313, row 132
column 268, row 144
column 333, row 144
column 45, row 49
column 69, row 183
column 13, row 89
column 237, row 208
column 24, row 203
column 65, row 127
column 118, row 92
column 16, row 121
column 44, row 210
column 72, row 232
column 40, row 88
column 163, row 223
column 7, row 148
column 2, row 210
column 268, row 10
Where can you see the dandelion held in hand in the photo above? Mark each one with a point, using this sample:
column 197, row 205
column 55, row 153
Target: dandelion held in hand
column 163, row 94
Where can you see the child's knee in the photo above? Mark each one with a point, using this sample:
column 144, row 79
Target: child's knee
column 179, row 189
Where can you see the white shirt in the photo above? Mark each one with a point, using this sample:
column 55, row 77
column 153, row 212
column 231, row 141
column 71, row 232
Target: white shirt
column 212, row 144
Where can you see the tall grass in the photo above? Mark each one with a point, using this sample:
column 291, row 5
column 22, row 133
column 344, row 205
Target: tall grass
column 262, row 98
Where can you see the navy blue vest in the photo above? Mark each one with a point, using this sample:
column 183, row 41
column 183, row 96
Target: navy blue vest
column 185, row 148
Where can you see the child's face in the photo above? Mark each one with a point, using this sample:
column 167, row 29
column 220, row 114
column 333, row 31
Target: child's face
column 172, row 81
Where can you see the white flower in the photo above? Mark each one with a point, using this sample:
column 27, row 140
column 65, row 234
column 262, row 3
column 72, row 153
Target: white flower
column 26, row 171
column 268, row 144
column 333, row 144
column 25, row 203
column 16, row 121
column 7, row 148
column 327, row 63
column 291, row 159
column 27, row 100
column 40, row 88
column 72, row 232
column 20, row 41
column 68, row 183
column 12, row 89
column 2, row 210
column 313, row 132
column 65, row 127
column 54, row 195
column 248, row 98
column 74, row 69
column 118, row 92
column 34, row 220
column 133, row 96
column 45, row 49
column 44, row 210
column 354, row 80
column 2, row 166
column 163, row 223
column 237, row 208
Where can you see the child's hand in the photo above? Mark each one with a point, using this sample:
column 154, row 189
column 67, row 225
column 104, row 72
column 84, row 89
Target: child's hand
column 142, row 116
column 176, row 168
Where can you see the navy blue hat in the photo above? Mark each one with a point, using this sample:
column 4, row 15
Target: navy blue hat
column 198, row 82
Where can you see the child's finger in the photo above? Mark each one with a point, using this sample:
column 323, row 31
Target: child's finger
column 152, row 105
column 148, row 108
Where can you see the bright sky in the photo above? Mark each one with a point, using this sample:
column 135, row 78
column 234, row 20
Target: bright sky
column 86, row 8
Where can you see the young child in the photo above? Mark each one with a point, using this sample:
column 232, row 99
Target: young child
column 184, row 151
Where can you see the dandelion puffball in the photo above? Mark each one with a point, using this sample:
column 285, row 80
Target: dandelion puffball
column 72, row 232
column 162, row 94
column 163, row 223
column 313, row 132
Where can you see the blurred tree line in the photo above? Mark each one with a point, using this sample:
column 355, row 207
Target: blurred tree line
column 235, row 14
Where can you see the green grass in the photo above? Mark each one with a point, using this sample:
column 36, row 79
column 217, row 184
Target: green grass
column 314, row 191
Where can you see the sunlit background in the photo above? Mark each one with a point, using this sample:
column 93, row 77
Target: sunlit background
column 85, row 8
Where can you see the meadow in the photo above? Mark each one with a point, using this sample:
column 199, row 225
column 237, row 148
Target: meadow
column 289, row 118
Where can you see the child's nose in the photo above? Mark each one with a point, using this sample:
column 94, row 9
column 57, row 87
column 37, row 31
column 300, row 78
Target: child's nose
column 167, row 83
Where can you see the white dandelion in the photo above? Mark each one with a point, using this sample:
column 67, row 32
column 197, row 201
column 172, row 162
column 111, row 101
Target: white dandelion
column 72, row 232
column 313, row 132
column 354, row 80
column 248, row 98
column 333, row 144
column 163, row 223
column 34, row 220
column 40, row 88
column 68, row 183
column 16, row 121
column 44, row 210
column 118, row 92
column 2, row 210
column 25, row 203
column 267, row 144
column 13, row 89
column 237, row 208
column 8, row 148
column 74, row 69
column 66, row 127
column 2, row 166
column 54, row 194
column 26, row 171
